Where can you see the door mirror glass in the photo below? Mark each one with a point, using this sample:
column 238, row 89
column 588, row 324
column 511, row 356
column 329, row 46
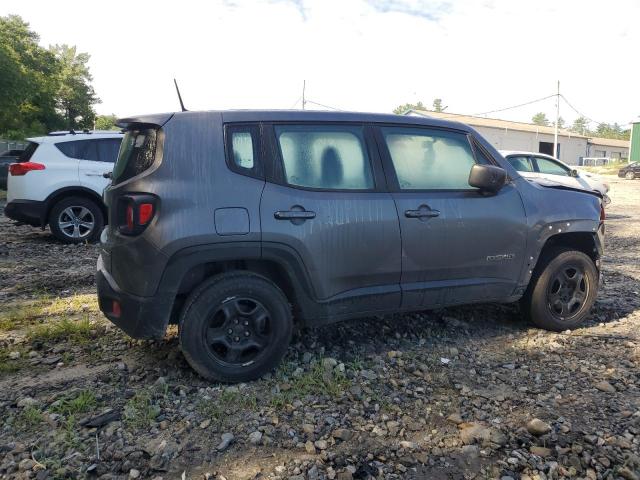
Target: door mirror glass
column 487, row 178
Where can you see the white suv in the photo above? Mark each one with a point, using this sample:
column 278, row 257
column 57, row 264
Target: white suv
column 59, row 179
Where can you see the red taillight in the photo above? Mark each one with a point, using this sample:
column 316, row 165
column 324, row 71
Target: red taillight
column 145, row 213
column 129, row 217
column 115, row 309
column 19, row 169
column 134, row 212
column 603, row 216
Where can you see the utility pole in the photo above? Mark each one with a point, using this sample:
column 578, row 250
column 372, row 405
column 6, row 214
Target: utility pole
column 555, row 135
column 304, row 100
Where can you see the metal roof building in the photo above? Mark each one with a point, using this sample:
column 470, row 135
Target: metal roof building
column 573, row 149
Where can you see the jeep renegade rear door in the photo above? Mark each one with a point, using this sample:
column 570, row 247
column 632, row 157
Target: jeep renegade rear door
column 458, row 245
column 325, row 202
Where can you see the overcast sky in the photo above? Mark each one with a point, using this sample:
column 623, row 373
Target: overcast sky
column 366, row 55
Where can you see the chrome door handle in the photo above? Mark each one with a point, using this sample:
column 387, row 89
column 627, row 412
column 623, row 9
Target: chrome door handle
column 294, row 215
column 421, row 213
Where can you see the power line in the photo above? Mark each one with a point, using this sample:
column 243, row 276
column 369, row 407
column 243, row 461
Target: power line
column 324, row 106
column 506, row 108
column 295, row 103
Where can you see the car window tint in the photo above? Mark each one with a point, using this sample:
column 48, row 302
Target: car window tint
column 74, row 149
column 91, row 151
column 108, row 149
column 429, row 159
column 550, row 167
column 243, row 149
column 521, row 163
column 331, row 157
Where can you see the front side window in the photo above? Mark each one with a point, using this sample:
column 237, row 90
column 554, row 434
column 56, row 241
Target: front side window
column 521, row 163
column 550, row 167
column 329, row 157
column 429, row 159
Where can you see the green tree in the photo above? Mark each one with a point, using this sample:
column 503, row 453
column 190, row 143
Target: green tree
column 28, row 81
column 106, row 122
column 437, row 104
column 581, row 126
column 399, row 110
column 561, row 122
column 540, row 119
column 75, row 96
column 611, row 130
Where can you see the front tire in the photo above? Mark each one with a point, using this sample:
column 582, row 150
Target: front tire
column 562, row 291
column 235, row 327
column 629, row 175
column 76, row 220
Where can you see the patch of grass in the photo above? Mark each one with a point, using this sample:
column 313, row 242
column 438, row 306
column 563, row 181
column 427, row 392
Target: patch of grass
column 316, row 381
column 8, row 365
column 141, row 410
column 28, row 419
column 75, row 304
column 14, row 316
column 216, row 408
column 70, row 406
column 3, row 194
column 74, row 331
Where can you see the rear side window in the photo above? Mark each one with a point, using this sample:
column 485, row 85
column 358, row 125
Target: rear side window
column 28, row 152
column 74, row 149
column 429, row 159
column 242, row 144
column 108, row 149
column 328, row 157
column 137, row 153
column 521, row 163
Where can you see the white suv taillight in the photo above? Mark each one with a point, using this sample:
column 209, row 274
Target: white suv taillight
column 19, row 169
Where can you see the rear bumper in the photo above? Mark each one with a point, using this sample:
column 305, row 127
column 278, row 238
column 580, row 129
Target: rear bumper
column 139, row 317
column 30, row 212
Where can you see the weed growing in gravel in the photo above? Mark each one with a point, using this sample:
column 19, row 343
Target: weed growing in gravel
column 29, row 418
column 74, row 331
column 74, row 304
column 141, row 410
column 8, row 365
column 74, row 405
column 15, row 316
column 216, row 408
column 316, row 381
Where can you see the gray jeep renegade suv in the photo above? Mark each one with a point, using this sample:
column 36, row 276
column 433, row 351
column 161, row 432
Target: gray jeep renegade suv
column 235, row 224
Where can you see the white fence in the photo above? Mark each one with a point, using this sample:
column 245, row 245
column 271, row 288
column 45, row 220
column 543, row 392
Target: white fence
column 11, row 145
column 596, row 161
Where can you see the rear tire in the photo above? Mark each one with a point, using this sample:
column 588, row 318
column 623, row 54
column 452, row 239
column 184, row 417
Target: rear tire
column 629, row 175
column 235, row 327
column 76, row 220
column 562, row 290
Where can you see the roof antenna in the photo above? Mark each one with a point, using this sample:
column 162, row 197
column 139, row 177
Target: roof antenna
column 179, row 96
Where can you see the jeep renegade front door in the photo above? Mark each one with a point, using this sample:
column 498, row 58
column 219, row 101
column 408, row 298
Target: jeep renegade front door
column 325, row 206
column 458, row 245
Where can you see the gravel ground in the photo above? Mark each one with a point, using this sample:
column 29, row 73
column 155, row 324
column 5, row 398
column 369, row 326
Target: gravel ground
column 469, row 392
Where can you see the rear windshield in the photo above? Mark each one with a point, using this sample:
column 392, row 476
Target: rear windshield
column 28, row 152
column 137, row 153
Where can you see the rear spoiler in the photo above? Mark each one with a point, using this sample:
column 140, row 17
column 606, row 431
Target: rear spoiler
column 157, row 120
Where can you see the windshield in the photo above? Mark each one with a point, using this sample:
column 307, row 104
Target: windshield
column 137, row 153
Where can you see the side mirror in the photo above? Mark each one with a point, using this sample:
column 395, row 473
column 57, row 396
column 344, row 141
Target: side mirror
column 574, row 173
column 487, row 178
